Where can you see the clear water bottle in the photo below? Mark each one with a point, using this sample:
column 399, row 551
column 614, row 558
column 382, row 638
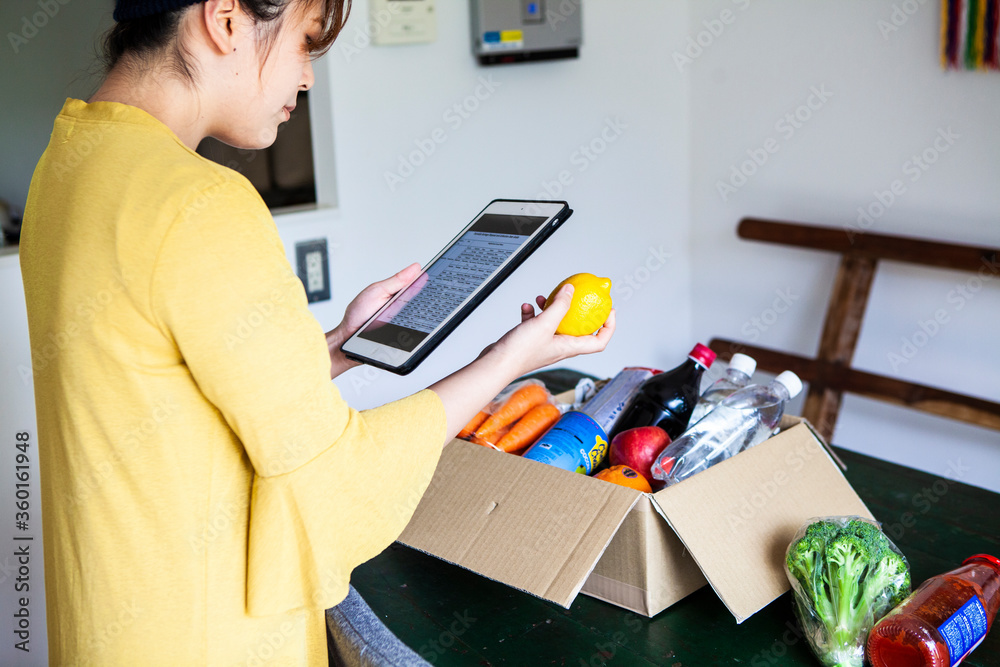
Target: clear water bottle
column 744, row 419
column 741, row 367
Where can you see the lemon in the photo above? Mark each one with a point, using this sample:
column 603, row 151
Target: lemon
column 590, row 307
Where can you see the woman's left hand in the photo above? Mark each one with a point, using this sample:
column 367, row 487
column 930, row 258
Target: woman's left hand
column 359, row 311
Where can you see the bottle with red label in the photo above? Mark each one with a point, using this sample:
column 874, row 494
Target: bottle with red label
column 941, row 622
column 668, row 399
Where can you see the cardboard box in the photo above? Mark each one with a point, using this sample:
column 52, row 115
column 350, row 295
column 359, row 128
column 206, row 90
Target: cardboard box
column 554, row 533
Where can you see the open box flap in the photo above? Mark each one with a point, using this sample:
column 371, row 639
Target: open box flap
column 738, row 517
column 522, row 523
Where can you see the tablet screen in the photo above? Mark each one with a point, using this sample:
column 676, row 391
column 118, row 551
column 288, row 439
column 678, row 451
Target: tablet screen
column 450, row 280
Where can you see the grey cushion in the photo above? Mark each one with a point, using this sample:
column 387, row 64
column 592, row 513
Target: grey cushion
column 357, row 638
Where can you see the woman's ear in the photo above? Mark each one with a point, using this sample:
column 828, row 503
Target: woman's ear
column 222, row 19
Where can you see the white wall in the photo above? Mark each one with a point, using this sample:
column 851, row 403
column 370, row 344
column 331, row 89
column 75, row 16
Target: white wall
column 527, row 130
column 889, row 100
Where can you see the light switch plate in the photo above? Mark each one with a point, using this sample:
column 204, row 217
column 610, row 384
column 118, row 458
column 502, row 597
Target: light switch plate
column 313, row 267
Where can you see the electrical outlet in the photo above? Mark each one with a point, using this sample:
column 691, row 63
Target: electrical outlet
column 314, row 269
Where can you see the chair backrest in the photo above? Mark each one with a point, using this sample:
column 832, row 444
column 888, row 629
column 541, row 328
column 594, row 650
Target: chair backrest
column 830, row 375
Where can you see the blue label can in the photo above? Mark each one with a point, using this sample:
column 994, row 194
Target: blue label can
column 576, row 443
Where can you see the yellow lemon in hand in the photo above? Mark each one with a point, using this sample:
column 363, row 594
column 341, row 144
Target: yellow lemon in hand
column 590, row 307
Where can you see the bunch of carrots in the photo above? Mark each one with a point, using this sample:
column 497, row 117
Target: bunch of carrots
column 518, row 421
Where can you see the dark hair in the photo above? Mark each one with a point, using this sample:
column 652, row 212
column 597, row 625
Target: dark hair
column 148, row 37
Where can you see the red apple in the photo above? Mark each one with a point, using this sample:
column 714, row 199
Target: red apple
column 637, row 448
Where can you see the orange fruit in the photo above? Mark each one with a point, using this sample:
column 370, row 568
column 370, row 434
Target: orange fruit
column 590, row 306
column 625, row 476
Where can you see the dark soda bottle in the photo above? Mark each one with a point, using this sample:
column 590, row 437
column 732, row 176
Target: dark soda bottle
column 668, row 399
column 942, row 621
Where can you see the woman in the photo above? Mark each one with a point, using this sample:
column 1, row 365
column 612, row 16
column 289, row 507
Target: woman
column 206, row 491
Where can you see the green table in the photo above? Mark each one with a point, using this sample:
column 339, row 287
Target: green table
column 454, row 617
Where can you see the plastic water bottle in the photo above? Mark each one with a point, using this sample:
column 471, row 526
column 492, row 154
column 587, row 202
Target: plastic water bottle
column 744, row 419
column 741, row 367
column 667, row 399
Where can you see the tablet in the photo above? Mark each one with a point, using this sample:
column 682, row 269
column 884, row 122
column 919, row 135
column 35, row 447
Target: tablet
column 415, row 321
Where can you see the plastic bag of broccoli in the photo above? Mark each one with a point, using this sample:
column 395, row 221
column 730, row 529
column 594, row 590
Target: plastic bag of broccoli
column 845, row 575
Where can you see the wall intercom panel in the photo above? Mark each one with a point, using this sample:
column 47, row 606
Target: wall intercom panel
column 510, row 31
column 402, row 21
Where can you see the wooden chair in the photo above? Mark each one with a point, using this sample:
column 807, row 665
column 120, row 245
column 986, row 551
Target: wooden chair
column 830, row 375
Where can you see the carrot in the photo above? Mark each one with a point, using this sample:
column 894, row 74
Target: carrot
column 491, row 443
column 475, row 423
column 522, row 400
column 538, row 420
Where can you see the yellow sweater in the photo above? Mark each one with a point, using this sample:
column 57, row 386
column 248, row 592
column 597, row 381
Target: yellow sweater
column 206, row 492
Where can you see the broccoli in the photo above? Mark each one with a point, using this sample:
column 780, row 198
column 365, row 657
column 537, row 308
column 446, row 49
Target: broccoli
column 846, row 575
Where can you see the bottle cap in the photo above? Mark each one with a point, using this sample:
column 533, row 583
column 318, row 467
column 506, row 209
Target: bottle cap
column 791, row 381
column 992, row 560
column 702, row 355
column 743, row 363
